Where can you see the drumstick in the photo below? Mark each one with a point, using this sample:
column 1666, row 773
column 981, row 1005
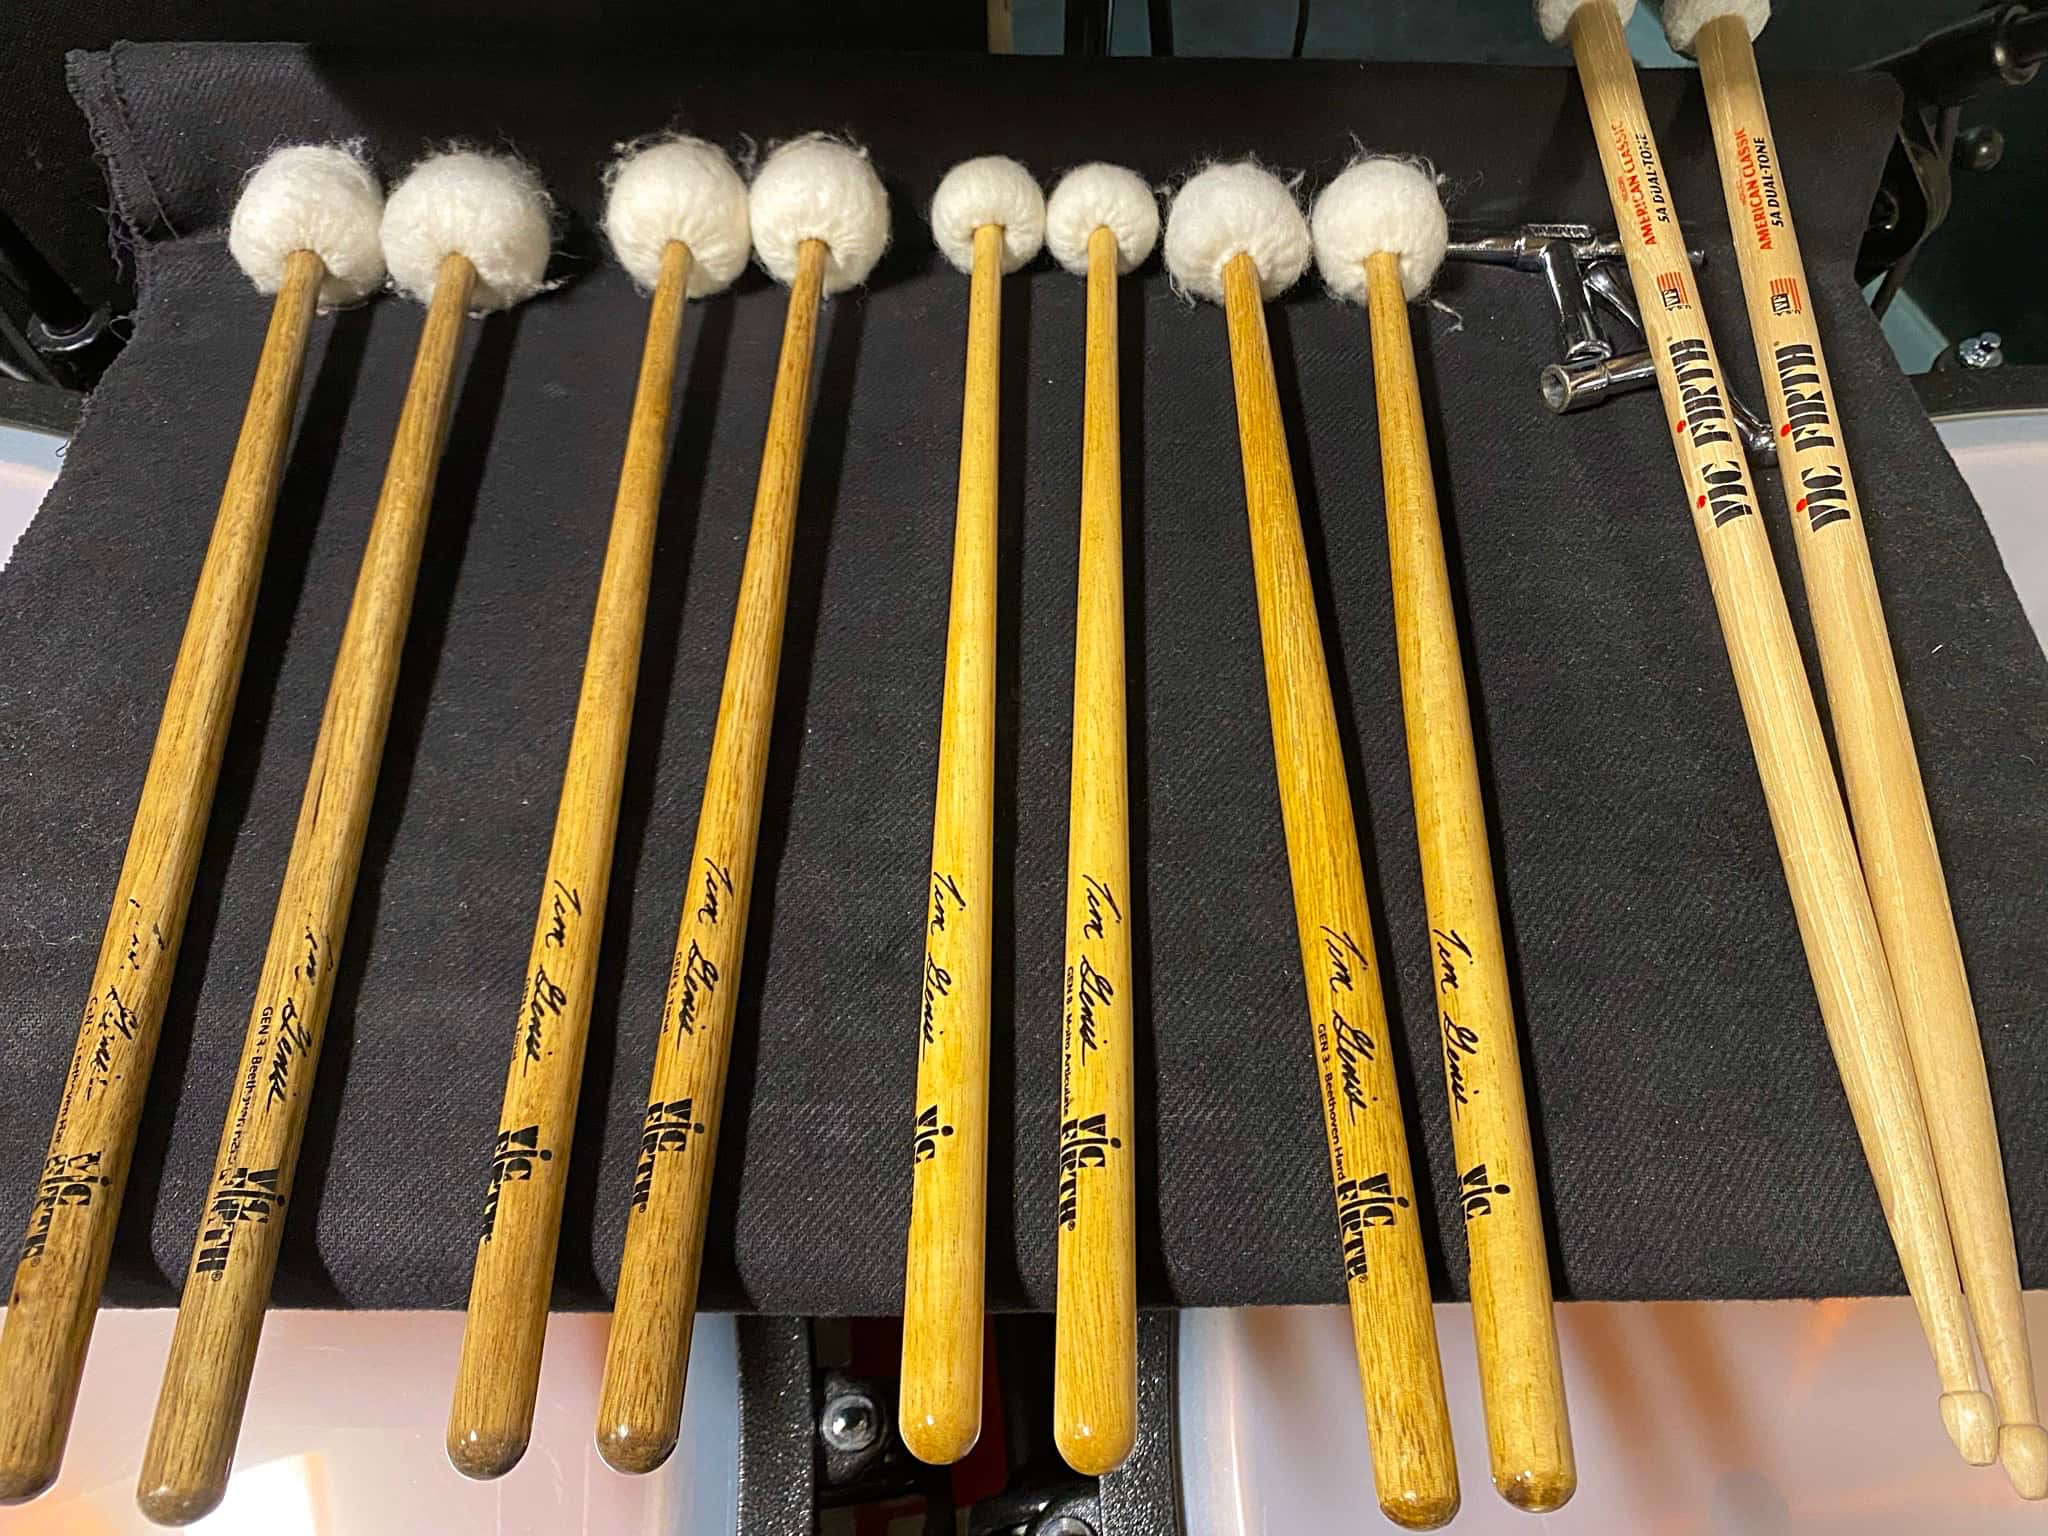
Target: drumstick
column 1380, row 236
column 988, row 217
column 820, row 220
column 1894, row 832
column 304, row 229
column 1235, row 237
column 1843, row 950
column 1100, row 222
column 676, row 213
column 449, row 205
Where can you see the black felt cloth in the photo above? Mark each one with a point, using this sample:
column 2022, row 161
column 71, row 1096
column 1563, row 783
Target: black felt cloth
column 1692, row 1135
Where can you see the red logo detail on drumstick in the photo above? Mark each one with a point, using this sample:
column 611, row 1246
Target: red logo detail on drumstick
column 1671, row 289
column 1785, row 297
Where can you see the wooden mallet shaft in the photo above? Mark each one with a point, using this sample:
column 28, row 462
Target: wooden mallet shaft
column 1894, row 832
column 78, row 1190
column 498, row 1376
column 640, row 1408
column 1095, row 1352
column 1521, row 1380
column 940, row 1409
column 220, row 1318
column 1393, row 1327
column 1844, row 952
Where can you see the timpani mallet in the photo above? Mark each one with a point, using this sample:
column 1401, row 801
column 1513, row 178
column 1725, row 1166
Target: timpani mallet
column 820, row 222
column 1894, row 833
column 1380, row 236
column 676, row 214
column 462, row 231
column 304, row 229
column 1235, row 237
column 988, row 218
column 1844, row 952
column 1100, row 223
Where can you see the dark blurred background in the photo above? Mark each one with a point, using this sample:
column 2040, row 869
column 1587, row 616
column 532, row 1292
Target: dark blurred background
column 1975, row 273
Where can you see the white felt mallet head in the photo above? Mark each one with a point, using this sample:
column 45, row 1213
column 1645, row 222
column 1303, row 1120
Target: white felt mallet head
column 322, row 198
column 993, row 189
column 1683, row 19
column 1554, row 17
column 1092, row 197
column 1233, row 209
column 817, row 188
column 677, row 188
column 491, row 209
column 1380, row 205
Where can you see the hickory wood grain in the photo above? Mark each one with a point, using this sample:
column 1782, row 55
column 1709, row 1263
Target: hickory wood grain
column 1521, row 1380
column 1837, row 927
column 78, row 1190
column 220, row 1316
column 498, row 1373
column 1392, row 1325
column 1894, row 833
column 640, row 1405
column 1095, row 1336
column 939, row 1412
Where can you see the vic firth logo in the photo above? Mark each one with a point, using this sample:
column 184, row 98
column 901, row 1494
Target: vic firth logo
column 1477, row 1193
column 1363, row 1203
column 1699, row 393
column 1085, row 1142
column 1807, row 421
column 925, row 1145
column 1706, row 418
column 69, row 1181
column 667, row 1127
column 514, row 1156
column 240, row 1196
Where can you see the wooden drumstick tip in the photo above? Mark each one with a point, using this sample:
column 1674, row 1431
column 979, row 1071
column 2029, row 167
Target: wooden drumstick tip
column 1972, row 1424
column 632, row 1450
column 2023, row 1452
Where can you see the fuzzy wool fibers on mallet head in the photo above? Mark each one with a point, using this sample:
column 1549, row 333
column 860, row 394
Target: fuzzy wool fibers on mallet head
column 993, row 189
column 321, row 198
column 1092, row 197
column 1554, row 17
column 1683, row 19
column 817, row 188
column 1233, row 209
column 1379, row 205
column 490, row 209
column 677, row 188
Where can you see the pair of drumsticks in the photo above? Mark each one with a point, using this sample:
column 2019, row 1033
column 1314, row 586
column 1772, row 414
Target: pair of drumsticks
column 1873, row 912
